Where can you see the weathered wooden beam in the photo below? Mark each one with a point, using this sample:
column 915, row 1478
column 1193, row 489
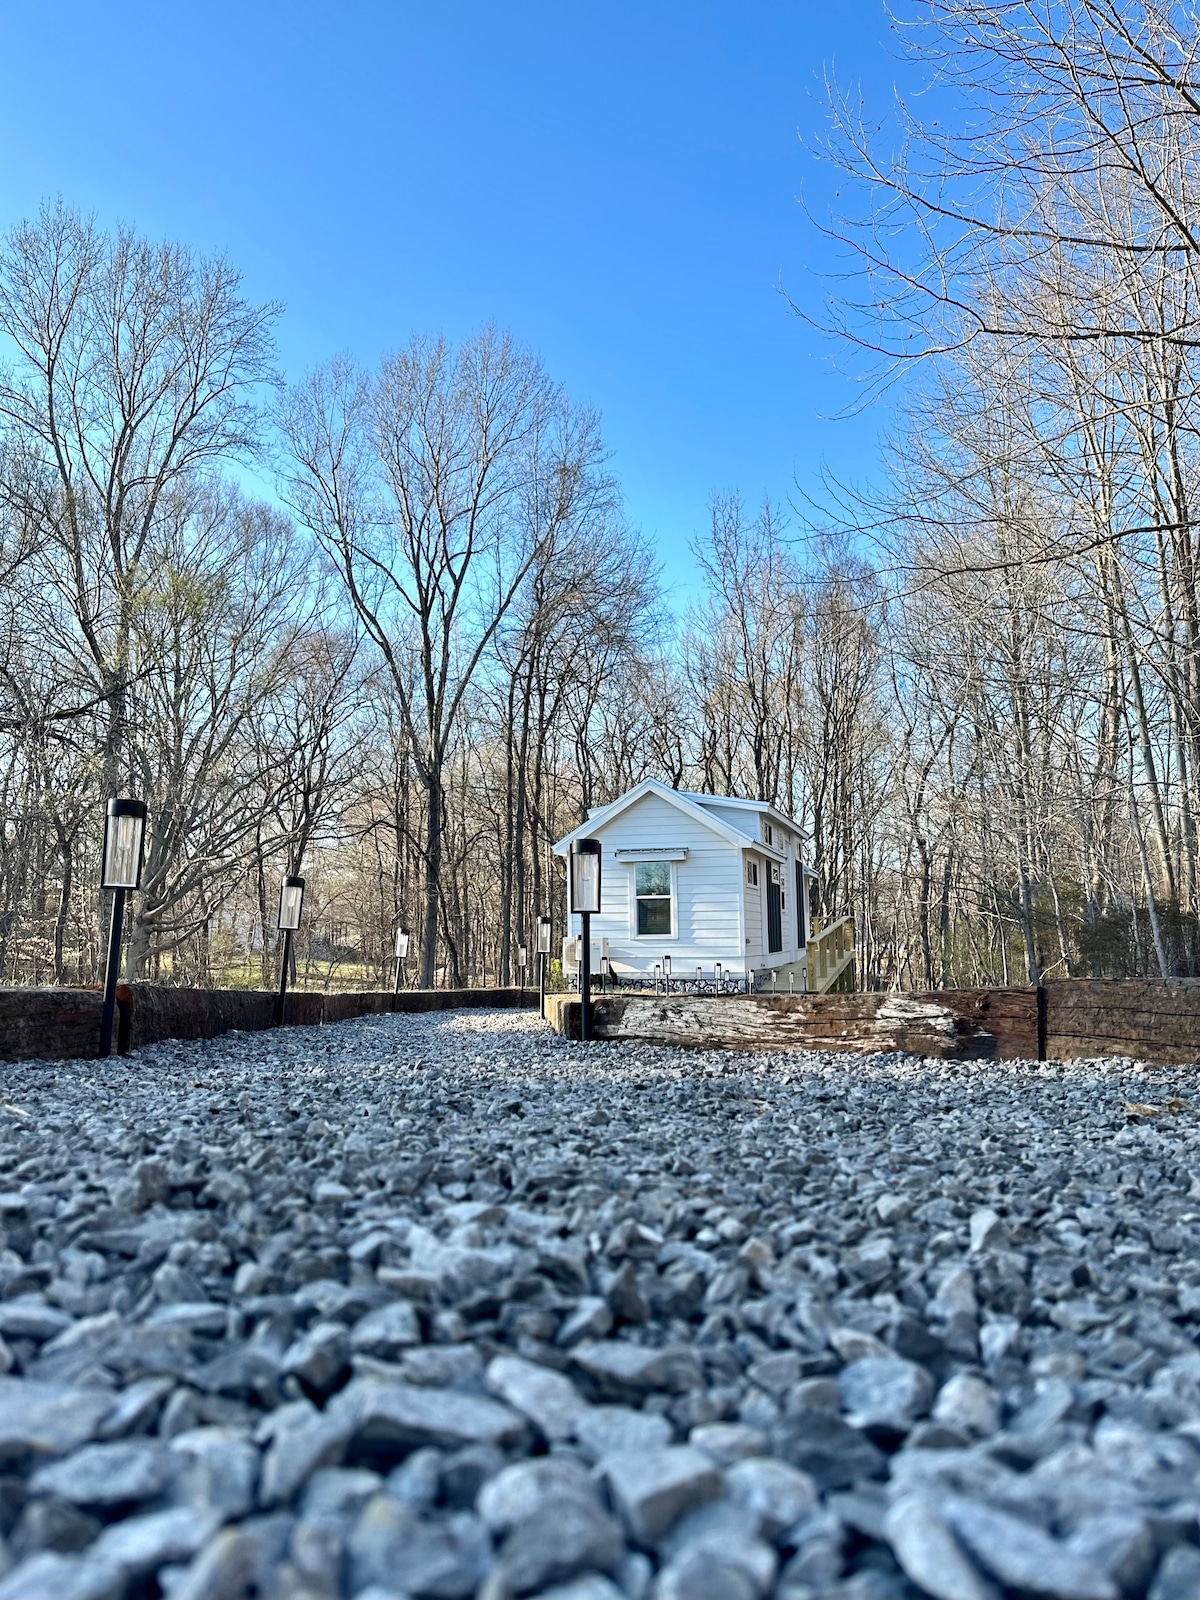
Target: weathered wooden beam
column 963, row 1024
column 1155, row 1020
column 49, row 1024
column 64, row 1024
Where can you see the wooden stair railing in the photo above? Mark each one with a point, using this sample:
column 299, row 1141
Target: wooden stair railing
column 831, row 959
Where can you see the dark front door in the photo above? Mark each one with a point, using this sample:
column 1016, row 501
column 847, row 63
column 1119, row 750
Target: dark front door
column 801, row 908
column 774, row 916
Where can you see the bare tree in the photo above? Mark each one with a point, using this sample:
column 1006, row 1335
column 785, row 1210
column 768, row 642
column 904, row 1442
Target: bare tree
column 434, row 487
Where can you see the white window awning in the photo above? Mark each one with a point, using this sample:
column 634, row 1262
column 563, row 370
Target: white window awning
column 656, row 852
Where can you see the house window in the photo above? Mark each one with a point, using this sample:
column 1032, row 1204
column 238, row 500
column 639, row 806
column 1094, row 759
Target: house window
column 752, row 874
column 652, row 889
column 767, row 833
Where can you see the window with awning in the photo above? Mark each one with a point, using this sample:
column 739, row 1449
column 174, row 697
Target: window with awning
column 652, row 891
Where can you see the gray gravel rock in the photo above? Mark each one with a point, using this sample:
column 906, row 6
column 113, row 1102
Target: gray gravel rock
column 222, row 1570
column 565, row 1535
column 827, row 1448
column 215, row 1469
column 387, row 1330
column 1022, row 1556
column 969, row 1404
column 927, row 1549
column 391, row 1546
column 516, row 1492
column 446, row 1306
column 601, row 1430
column 779, row 1495
column 1178, row 1575
column 549, row 1400
column 49, row 1576
column 107, row 1474
column 43, row 1419
column 619, row 1368
column 394, row 1418
column 884, row 1393
column 319, row 1358
column 727, row 1442
column 652, row 1488
column 702, row 1574
column 142, row 1544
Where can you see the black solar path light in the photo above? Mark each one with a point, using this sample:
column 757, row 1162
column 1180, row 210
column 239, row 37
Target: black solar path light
column 584, row 885
column 120, row 871
column 543, row 950
column 291, row 900
column 400, row 955
column 522, row 963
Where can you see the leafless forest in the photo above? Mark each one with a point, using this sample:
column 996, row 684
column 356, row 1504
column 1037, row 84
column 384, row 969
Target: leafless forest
column 411, row 665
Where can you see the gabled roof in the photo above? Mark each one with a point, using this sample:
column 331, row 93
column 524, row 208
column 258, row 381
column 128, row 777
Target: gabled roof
column 695, row 806
column 685, row 803
column 761, row 806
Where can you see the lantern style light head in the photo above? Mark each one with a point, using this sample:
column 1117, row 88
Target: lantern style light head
column 401, row 949
column 584, row 876
column 543, row 936
column 124, row 844
column 522, row 956
column 666, row 966
column 291, row 898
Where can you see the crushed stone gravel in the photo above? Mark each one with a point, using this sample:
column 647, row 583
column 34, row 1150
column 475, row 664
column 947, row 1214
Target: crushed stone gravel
column 433, row 1307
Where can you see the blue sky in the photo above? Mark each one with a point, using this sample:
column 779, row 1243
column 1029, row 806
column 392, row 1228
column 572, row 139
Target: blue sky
column 617, row 184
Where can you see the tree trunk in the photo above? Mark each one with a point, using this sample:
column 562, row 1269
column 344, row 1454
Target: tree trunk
column 434, row 836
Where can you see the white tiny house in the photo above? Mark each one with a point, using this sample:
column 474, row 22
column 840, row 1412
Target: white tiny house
column 700, row 878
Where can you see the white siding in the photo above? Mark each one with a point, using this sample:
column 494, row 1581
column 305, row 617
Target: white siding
column 744, row 820
column 755, row 943
column 790, row 944
column 707, row 884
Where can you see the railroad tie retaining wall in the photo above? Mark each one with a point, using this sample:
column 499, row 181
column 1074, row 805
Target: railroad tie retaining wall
column 49, row 1024
column 54, row 1024
column 960, row 1025
column 1155, row 1021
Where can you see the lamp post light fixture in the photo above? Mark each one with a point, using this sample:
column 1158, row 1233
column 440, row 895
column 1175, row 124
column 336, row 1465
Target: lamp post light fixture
column 667, row 973
column 717, row 977
column 657, row 975
column 522, row 963
column 399, row 955
column 584, row 886
column 291, row 899
column 543, row 950
column 120, row 871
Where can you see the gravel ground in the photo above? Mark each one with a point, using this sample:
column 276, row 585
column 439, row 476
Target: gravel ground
column 444, row 1306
